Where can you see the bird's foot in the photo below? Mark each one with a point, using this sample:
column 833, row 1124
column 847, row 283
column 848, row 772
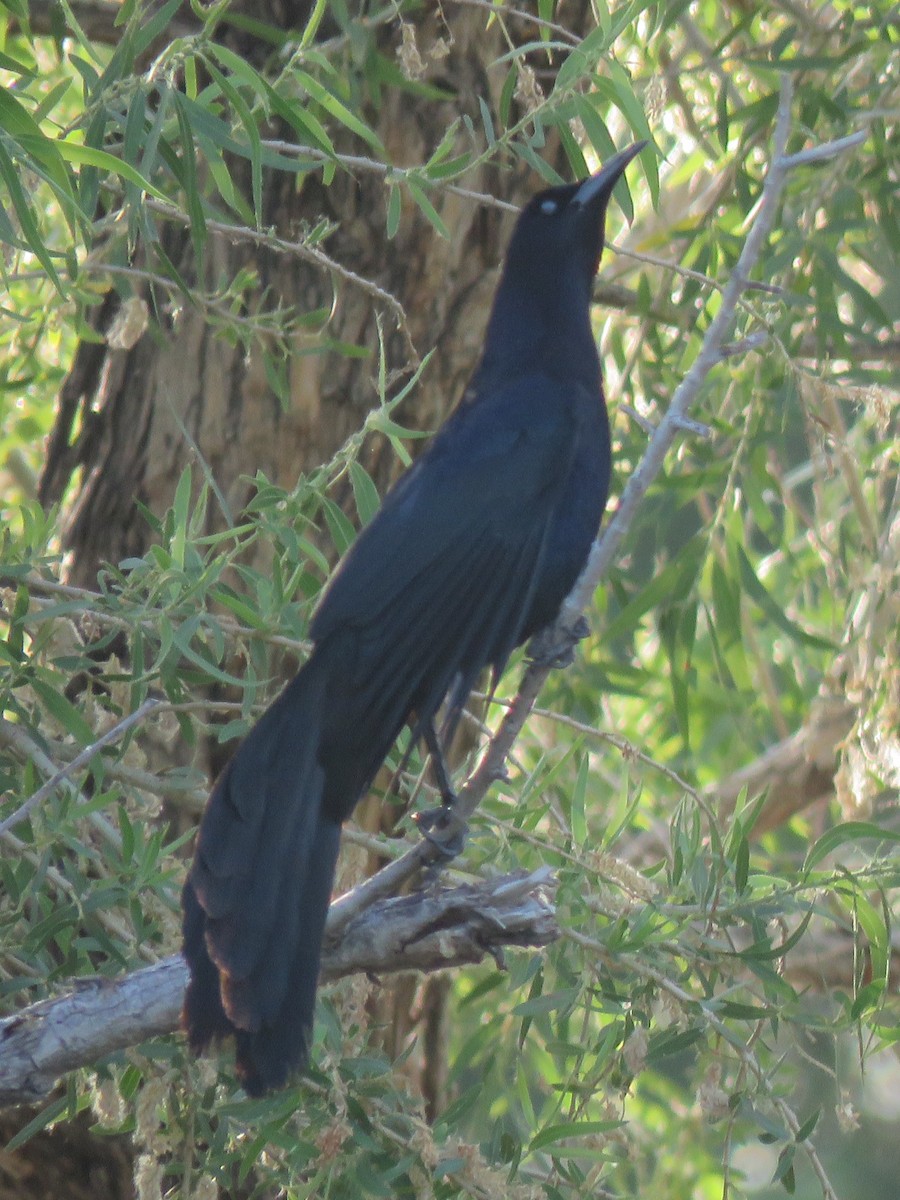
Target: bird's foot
column 444, row 829
column 555, row 646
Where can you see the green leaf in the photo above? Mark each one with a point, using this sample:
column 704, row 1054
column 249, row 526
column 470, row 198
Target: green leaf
column 152, row 139
column 342, row 532
column 581, row 60
column 242, row 608
column 726, row 606
column 671, row 584
column 549, row 1002
column 181, row 514
column 488, row 123
column 841, row 835
column 151, row 27
column 47, row 1116
column 63, row 711
column 571, row 1129
column 742, row 865
column 337, row 109
column 9, row 173
column 365, row 493
column 215, row 162
column 189, row 181
column 867, row 998
column 300, row 119
column 40, row 152
column 16, row 66
column 50, row 101
column 744, row 1012
column 758, row 593
column 135, row 126
column 573, row 151
column 418, row 194
column 444, row 148
column 393, row 211
column 784, row 1171
column 808, row 1126
column 506, row 94
column 75, row 152
column 876, row 925
column 183, row 640
column 670, row 1042
column 252, row 131
column 577, row 816
column 17, row 121
column 722, row 115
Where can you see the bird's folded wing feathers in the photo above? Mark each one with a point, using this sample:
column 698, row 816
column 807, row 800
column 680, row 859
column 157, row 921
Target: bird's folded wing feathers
column 514, row 450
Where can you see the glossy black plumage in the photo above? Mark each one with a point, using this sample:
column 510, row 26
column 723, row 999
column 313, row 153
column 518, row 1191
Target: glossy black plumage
column 473, row 551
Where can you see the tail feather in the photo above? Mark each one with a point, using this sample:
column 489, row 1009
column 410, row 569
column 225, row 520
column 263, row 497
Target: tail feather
column 256, row 906
column 257, row 895
column 266, row 1056
column 204, row 1015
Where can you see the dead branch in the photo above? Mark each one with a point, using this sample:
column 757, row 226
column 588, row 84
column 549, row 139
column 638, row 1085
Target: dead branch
column 425, row 931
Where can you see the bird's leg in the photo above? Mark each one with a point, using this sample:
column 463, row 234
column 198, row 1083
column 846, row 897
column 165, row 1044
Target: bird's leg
column 442, row 827
column 439, row 766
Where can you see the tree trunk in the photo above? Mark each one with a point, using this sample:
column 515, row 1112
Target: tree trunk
column 124, row 414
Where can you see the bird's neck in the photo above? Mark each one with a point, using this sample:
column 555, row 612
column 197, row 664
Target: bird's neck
column 540, row 328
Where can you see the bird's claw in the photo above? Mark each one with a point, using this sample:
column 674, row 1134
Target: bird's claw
column 443, row 829
column 555, row 647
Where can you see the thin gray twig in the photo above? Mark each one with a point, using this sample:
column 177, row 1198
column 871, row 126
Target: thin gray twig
column 80, row 760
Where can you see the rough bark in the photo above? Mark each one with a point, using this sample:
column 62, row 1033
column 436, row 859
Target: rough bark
column 424, row 932
column 121, row 411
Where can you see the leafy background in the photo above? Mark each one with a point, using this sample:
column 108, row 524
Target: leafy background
column 720, row 1015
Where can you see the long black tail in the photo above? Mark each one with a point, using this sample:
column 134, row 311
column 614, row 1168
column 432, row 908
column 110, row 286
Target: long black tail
column 258, row 892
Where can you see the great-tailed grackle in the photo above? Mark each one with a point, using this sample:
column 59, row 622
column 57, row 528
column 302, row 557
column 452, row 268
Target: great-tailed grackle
column 472, row 552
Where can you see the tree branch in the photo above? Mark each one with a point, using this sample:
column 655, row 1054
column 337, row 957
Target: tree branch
column 426, row 931
column 796, row 772
column 64, row 773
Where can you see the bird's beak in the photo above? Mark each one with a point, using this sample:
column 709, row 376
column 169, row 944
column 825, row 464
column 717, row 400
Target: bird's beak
column 606, row 178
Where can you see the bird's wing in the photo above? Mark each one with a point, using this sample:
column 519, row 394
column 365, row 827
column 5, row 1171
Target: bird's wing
column 439, row 585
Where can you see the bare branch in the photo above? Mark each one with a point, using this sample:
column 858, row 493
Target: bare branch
column 824, row 152
column 80, row 760
column 374, row 166
column 427, row 931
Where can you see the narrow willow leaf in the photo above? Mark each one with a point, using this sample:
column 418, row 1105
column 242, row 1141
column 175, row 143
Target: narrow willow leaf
column 90, row 156
column 338, row 109
column 841, row 835
column 393, row 211
column 759, row 594
column 418, row 194
column 33, row 237
column 365, row 492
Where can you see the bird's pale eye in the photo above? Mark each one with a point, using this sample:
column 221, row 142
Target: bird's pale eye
column 549, row 207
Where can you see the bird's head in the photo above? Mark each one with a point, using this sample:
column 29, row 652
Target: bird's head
column 541, row 313
column 564, row 227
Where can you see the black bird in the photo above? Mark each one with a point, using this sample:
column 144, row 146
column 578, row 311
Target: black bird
column 474, row 550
